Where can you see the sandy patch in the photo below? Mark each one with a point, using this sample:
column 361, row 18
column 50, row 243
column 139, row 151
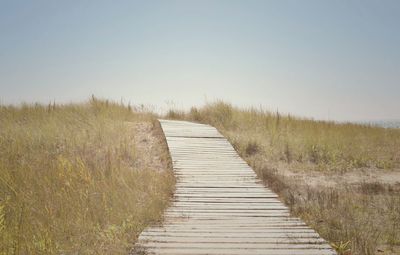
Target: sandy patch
column 151, row 146
column 334, row 179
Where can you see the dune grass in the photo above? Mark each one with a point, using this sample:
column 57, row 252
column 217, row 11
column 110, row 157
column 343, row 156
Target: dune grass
column 327, row 145
column 70, row 182
column 356, row 219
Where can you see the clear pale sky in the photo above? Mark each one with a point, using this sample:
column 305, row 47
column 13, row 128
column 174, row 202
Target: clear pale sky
column 336, row 60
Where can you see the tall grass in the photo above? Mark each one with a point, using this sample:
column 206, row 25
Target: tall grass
column 357, row 219
column 366, row 217
column 325, row 145
column 69, row 183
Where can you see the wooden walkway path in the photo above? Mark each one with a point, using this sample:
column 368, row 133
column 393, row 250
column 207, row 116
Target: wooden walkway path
column 220, row 207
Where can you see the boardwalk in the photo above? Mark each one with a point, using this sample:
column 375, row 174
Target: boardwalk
column 220, row 207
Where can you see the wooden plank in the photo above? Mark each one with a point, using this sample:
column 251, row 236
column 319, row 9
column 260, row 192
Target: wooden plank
column 223, row 223
column 244, row 223
column 224, row 194
column 221, row 215
column 233, row 235
column 220, row 190
column 230, row 251
column 220, row 206
column 225, row 240
column 152, row 251
column 199, row 230
column 233, row 245
column 184, row 201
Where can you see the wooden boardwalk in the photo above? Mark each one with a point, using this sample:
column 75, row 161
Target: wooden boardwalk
column 220, row 207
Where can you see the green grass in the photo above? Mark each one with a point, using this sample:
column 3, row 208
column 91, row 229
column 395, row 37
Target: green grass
column 356, row 219
column 69, row 183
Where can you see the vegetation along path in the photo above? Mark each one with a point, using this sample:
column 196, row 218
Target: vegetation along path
column 219, row 206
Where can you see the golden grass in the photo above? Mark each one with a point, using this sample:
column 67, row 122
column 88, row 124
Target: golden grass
column 69, row 183
column 358, row 219
column 366, row 216
column 326, row 145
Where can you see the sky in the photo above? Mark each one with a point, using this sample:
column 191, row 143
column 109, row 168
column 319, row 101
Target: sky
column 335, row 60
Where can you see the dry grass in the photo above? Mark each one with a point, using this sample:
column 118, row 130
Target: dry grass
column 367, row 217
column 327, row 145
column 70, row 181
column 356, row 219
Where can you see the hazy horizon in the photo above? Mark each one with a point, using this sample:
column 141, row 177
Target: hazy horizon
column 336, row 60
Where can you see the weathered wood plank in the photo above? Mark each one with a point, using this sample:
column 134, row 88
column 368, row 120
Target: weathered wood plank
column 220, row 206
column 236, row 235
column 223, row 223
column 230, row 251
column 234, row 245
